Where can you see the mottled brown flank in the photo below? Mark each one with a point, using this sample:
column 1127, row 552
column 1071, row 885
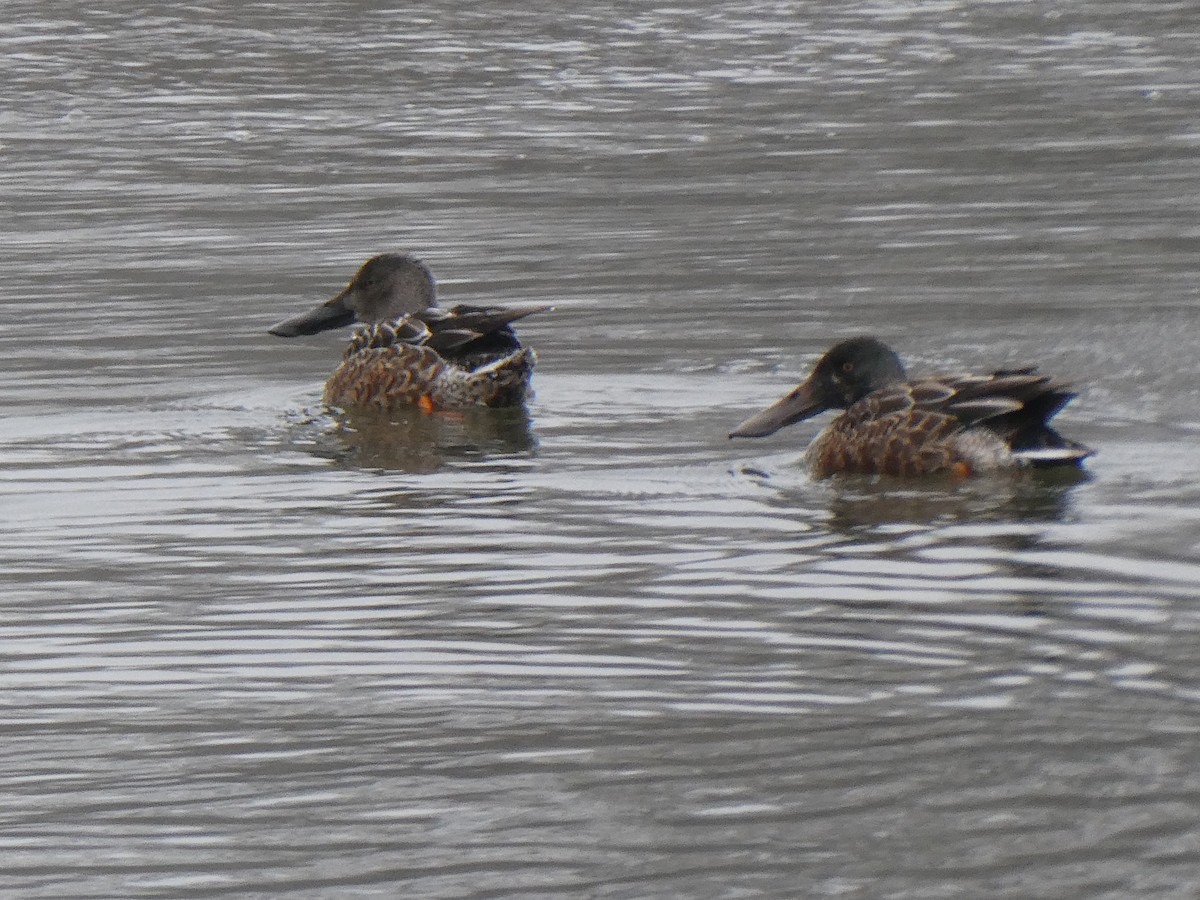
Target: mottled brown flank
column 405, row 375
column 386, row 376
column 907, row 443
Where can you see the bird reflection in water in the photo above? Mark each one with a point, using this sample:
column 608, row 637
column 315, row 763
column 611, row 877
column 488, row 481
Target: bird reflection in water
column 852, row 503
column 412, row 440
column 1025, row 497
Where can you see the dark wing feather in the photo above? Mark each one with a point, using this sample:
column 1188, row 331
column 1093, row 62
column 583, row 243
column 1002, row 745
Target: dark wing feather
column 447, row 340
column 1014, row 404
column 970, row 412
column 474, row 329
column 976, row 399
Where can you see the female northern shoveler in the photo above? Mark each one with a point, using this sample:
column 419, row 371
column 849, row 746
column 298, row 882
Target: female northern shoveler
column 893, row 425
column 411, row 352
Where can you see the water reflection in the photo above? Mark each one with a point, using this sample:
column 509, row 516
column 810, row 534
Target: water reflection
column 411, row 440
column 1026, row 497
column 862, row 504
column 437, row 656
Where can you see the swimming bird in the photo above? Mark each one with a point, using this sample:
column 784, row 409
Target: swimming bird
column 411, row 351
column 894, row 425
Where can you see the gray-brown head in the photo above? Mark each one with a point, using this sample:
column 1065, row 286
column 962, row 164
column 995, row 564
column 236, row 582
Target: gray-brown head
column 384, row 288
column 844, row 375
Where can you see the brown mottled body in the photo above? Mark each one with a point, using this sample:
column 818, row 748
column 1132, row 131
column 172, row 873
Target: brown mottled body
column 908, row 443
column 403, row 374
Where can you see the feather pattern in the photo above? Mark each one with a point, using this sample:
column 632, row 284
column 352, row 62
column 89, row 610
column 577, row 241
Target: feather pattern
column 894, row 425
column 451, row 359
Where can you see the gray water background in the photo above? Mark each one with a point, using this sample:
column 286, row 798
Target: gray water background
column 253, row 648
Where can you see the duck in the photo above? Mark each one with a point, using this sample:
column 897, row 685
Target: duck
column 408, row 351
column 890, row 424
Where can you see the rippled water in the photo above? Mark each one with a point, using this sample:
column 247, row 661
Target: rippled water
column 253, row 647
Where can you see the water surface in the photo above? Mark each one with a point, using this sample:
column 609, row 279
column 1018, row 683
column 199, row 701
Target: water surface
column 254, row 647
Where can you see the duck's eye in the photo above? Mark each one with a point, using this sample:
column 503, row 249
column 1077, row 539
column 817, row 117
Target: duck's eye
column 847, row 367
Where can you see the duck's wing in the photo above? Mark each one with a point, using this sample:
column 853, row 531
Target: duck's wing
column 452, row 330
column 983, row 399
column 1015, row 404
column 968, row 399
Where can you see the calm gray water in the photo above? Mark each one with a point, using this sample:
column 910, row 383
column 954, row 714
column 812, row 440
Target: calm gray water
column 252, row 648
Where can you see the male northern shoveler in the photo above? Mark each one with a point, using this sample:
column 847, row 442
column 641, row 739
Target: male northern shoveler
column 411, row 352
column 893, row 425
